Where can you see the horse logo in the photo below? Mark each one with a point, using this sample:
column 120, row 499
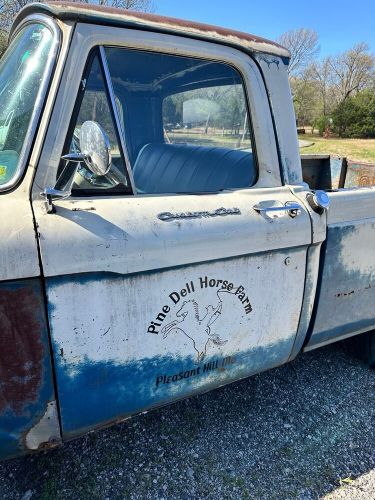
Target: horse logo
column 196, row 325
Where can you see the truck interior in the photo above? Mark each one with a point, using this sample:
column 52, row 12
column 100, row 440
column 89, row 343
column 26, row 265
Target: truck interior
column 172, row 122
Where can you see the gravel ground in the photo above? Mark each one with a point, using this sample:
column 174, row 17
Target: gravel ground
column 305, row 430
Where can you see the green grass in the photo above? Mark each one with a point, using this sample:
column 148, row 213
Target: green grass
column 354, row 149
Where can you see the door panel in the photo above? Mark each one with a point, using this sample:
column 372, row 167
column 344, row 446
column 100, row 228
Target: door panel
column 346, row 295
column 133, row 323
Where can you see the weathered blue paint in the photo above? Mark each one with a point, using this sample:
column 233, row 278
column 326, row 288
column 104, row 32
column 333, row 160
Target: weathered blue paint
column 93, row 394
column 101, row 379
column 346, row 296
column 26, row 385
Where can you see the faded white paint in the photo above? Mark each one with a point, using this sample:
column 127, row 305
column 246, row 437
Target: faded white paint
column 123, row 320
column 124, row 235
column 18, row 245
column 276, row 79
column 351, row 205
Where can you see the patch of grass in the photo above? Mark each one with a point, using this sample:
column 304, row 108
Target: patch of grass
column 354, row 149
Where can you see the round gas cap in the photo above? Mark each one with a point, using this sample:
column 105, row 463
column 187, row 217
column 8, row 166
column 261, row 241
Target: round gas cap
column 321, row 199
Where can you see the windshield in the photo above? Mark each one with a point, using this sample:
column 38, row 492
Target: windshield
column 22, row 69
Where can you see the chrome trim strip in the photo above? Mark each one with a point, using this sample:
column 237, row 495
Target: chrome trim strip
column 41, row 97
column 120, row 131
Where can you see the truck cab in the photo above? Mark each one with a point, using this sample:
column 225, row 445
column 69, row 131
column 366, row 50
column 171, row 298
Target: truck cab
column 159, row 237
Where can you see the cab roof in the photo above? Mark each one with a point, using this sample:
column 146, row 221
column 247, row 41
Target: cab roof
column 95, row 14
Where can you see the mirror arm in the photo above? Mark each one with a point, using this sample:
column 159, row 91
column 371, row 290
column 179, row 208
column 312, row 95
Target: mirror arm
column 51, row 194
column 62, row 188
column 75, row 157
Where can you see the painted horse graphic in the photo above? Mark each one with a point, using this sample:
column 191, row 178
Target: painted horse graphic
column 196, row 326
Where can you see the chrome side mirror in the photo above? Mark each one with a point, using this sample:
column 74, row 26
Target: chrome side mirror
column 95, row 148
column 95, row 153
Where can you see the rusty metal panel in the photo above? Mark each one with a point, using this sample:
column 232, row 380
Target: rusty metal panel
column 28, row 414
column 141, row 20
column 360, row 174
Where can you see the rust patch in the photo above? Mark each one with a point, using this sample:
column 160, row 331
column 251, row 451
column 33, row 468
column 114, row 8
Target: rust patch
column 344, row 294
column 360, row 174
column 80, row 11
column 21, row 348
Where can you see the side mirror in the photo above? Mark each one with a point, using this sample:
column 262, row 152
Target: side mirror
column 95, row 147
column 95, row 153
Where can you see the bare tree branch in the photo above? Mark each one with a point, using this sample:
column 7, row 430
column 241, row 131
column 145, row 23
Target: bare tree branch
column 352, row 71
column 303, row 46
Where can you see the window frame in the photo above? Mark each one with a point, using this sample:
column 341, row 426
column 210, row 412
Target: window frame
column 86, row 37
column 40, row 98
column 108, row 90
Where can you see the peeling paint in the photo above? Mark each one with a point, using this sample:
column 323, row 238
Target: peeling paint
column 125, row 353
column 26, row 385
column 346, row 296
column 116, row 391
column 46, row 432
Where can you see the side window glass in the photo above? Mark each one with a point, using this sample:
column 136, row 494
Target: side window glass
column 187, row 124
column 94, row 105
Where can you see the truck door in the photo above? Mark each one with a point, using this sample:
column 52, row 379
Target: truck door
column 184, row 268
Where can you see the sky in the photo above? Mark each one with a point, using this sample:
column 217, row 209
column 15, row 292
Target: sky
column 339, row 24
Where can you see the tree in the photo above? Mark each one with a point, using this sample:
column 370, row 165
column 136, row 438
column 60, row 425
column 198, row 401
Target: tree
column 303, row 45
column 320, row 74
column 352, row 71
column 305, row 98
column 355, row 116
column 320, row 89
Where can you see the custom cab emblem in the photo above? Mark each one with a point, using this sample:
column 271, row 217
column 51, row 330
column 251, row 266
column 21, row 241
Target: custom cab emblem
column 219, row 212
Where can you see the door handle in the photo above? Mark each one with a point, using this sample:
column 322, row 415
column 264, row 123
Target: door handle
column 292, row 208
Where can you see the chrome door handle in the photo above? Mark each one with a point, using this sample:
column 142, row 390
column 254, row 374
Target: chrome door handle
column 291, row 207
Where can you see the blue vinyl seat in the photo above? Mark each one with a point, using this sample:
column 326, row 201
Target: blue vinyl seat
column 185, row 168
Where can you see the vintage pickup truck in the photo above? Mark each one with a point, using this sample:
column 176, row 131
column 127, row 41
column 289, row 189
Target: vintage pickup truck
column 159, row 237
